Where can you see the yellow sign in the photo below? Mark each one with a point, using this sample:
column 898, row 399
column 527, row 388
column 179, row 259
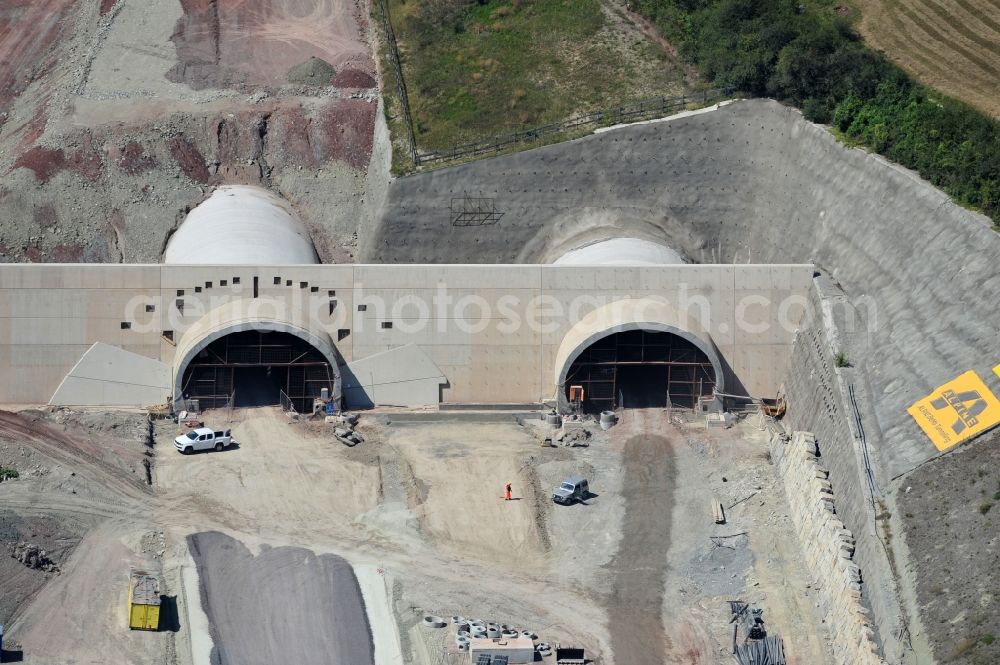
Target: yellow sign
column 956, row 411
column 996, row 370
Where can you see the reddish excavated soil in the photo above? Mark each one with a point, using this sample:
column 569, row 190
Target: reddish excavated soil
column 232, row 43
column 47, row 162
column 346, row 130
column 28, row 29
column 134, row 160
column 290, row 135
column 189, row 158
column 353, row 78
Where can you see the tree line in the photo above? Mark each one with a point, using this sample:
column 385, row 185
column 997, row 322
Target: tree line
column 810, row 56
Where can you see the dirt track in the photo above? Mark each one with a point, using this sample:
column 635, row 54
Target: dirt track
column 639, row 567
column 417, row 511
column 285, row 605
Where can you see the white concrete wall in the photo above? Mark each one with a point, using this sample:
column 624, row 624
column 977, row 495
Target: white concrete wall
column 51, row 314
column 111, row 376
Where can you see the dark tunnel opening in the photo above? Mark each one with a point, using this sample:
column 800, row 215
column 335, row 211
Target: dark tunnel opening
column 639, row 369
column 257, row 368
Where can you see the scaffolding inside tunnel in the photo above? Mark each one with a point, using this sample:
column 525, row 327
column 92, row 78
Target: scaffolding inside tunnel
column 640, row 368
column 258, row 366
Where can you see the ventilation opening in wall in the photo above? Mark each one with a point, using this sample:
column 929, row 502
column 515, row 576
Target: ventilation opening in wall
column 386, row 325
column 342, row 333
column 168, row 335
column 126, row 325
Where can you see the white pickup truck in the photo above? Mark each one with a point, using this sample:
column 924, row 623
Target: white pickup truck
column 202, row 438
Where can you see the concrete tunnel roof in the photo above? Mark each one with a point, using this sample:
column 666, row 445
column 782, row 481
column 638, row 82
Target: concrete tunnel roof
column 244, row 225
column 262, row 314
column 620, row 252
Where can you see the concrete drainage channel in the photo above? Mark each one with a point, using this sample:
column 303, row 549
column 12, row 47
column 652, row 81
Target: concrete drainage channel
column 477, row 636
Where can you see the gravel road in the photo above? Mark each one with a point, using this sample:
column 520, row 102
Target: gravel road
column 284, row 605
column 639, row 568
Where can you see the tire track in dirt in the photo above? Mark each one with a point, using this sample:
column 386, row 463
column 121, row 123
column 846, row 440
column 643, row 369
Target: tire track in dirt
column 639, row 567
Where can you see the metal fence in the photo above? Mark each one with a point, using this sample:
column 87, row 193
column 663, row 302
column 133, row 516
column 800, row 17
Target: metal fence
column 287, row 405
column 645, row 109
column 190, row 405
column 390, row 40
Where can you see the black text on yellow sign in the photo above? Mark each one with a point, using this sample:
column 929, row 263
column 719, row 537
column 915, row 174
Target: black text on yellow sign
column 956, row 411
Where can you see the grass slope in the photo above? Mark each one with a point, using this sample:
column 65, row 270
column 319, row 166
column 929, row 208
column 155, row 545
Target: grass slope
column 476, row 70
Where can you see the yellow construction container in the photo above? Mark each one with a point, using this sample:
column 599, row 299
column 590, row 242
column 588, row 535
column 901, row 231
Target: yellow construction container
column 143, row 601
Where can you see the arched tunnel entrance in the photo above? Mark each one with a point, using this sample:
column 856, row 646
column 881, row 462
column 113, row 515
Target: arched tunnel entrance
column 254, row 367
column 639, row 368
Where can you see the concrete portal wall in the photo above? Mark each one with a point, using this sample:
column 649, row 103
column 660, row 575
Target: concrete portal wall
column 749, row 182
column 53, row 313
column 404, row 376
column 109, row 376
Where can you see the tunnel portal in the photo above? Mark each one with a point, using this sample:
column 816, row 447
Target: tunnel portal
column 639, row 369
column 254, row 368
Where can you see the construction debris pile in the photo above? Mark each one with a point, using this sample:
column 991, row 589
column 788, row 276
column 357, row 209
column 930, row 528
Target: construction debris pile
column 576, row 437
column 33, row 557
column 758, row 648
column 490, row 642
column 344, row 424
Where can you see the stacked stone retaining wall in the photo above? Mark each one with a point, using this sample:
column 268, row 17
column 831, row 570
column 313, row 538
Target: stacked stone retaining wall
column 829, row 549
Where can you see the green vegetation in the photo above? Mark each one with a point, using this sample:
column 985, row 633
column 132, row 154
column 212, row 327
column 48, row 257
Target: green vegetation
column 840, row 359
column 807, row 54
column 478, row 68
column 984, row 506
column 7, row 473
column 988, row 638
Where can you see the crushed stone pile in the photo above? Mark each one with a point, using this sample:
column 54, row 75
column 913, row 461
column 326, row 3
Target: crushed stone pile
column 572, row 438
column 314, row 71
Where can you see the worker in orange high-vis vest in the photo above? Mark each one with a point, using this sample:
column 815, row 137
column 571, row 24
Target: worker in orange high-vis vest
column 506, row 493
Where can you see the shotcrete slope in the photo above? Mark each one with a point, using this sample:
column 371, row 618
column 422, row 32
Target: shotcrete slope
column 749, row 182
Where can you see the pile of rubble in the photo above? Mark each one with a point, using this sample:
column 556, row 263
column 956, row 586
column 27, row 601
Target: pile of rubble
column 572, row 438
column 33, row 557
column 344, row 424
